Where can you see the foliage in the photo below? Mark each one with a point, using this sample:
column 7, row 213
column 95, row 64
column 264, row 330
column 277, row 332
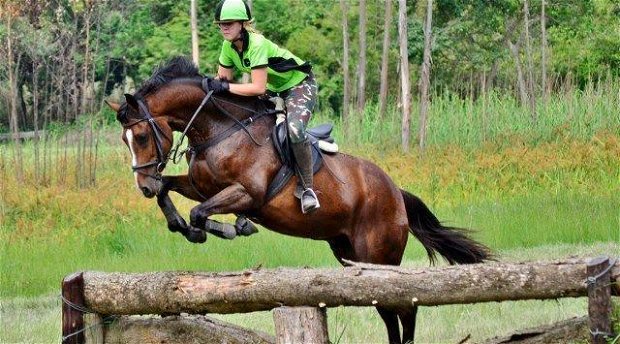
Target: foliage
column 129, row 38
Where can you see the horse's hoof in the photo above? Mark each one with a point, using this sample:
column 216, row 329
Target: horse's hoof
column 221, row 230
column 196, row 236
column 245, row 227
column 179, row 226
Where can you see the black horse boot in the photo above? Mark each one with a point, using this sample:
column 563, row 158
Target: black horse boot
column 303, row 155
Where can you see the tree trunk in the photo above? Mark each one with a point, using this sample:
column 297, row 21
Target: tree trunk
column 13, row 68
column 543, row 26
column 246, row 77
column 361, row 81
column 92, row 96
column 194, row 21
column 383, row 90
column 35, row 116
column 85, row 83
column 346, row 101
column 359, row 285
column 404, row 73
column 514, row 49
column 300, row 325
column 530, row 67
column 425, row 72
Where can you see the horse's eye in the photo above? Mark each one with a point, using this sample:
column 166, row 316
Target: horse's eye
column 142, row 139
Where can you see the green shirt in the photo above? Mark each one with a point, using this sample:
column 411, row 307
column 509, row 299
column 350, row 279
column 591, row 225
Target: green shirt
column 284, row 70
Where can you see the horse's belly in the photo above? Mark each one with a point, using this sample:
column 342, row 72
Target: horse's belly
column 322, row 224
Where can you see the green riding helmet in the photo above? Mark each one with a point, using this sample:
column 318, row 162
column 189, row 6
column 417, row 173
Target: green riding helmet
column 232, row 11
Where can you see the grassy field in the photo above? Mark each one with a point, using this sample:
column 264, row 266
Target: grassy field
column 531, row 190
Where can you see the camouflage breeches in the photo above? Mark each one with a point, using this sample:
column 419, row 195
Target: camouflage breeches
column 300, row 101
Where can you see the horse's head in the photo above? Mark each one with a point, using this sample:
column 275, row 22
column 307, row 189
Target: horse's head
column 149, row 139
column 147, row 118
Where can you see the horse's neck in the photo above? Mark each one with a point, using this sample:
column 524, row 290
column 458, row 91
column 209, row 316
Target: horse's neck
column 213, row 119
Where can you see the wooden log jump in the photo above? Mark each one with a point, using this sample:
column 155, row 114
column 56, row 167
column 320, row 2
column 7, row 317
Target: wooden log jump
column 360, row 285
column 357, row 285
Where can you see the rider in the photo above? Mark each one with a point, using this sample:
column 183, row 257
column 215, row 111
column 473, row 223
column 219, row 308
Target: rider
column 273, row 70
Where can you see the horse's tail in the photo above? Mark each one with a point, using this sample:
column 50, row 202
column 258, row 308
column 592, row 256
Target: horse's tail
column 450, row 242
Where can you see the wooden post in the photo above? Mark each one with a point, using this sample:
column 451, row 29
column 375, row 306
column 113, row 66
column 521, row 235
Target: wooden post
column 300, row 325
column 599, row 298
column 72, row 317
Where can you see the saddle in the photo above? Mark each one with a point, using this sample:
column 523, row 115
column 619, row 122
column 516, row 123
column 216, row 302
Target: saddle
column 320, row 141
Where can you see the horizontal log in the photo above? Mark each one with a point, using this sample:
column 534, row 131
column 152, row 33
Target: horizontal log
column 184, row 329
column 360, row 285
column 574, row 330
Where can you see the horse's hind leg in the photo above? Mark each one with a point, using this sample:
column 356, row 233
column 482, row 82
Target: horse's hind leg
column 407, row 319
column 390, row 318
column 343, row 249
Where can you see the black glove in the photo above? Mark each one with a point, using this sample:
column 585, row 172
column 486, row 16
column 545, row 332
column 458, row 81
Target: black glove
column 215, row 85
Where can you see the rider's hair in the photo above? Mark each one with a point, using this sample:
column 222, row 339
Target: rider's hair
column 247, row 25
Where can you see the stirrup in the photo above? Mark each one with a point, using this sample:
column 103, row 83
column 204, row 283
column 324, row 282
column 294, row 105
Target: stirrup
column 310, row 196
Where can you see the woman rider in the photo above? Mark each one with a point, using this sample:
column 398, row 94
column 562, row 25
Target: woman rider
column 274, row 70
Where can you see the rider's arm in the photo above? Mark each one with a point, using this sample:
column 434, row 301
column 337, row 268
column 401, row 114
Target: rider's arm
column 257, row 87
column 224, row 73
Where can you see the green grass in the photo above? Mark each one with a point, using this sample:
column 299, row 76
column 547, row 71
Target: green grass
column 137, row 240
column 36, row 319
column 495, row 118
column 544, row 189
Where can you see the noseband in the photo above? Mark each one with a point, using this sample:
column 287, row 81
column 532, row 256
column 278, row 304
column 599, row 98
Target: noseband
column 162, row 159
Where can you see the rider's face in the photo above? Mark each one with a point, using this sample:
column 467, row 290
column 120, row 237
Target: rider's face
column 230, row 30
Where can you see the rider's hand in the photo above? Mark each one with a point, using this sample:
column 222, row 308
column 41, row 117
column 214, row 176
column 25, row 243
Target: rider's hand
column 215, row 85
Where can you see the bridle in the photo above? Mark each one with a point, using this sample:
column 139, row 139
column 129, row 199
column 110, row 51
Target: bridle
column 162, row 159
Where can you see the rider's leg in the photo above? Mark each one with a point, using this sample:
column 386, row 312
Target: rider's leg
column 303, row 156
column 300, row 102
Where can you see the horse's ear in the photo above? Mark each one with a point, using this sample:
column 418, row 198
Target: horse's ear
column 131, row 101
column 112, row 105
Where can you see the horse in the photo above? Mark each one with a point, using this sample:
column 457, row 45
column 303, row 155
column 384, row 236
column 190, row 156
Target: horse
column 363, row 216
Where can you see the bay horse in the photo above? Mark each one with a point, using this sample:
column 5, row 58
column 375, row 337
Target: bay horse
column 364, row 216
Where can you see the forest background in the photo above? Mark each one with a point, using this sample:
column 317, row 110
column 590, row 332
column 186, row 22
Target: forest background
column 522, row 141
column 63, row 57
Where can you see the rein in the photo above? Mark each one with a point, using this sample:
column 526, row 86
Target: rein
column 175, row 153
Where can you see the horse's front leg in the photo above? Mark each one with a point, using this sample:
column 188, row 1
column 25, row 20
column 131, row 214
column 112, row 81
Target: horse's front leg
column 233, row 199
column 175, row 221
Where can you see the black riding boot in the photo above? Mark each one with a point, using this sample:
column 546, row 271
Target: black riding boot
column 303, row 156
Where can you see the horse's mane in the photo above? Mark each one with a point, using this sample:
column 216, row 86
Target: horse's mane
column 176, row 67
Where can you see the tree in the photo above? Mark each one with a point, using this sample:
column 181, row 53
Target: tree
column 543, row 50
column 346, row 101
column 404, row 72
column 383, row 89
column 425, row 71
column 530, row 67
column 361, row 85
column 11, row 11
column 194, row 21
